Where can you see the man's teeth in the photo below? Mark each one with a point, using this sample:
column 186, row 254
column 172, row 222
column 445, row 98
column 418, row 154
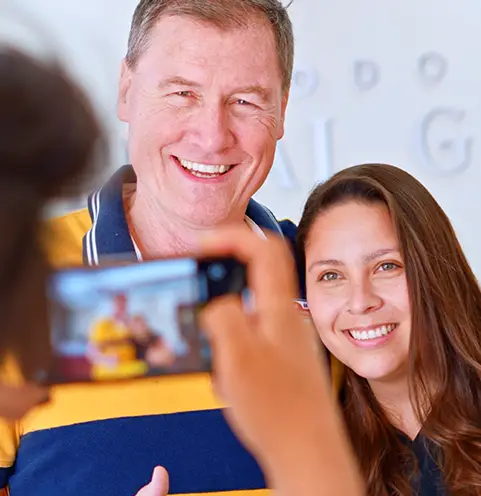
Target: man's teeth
column 375, row 332
column 204, row 170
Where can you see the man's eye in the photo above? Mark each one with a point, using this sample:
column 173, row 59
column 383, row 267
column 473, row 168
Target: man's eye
column 243, row 102
column 183, row 93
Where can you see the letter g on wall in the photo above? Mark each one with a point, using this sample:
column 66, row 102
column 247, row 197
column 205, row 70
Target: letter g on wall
column 451, row 154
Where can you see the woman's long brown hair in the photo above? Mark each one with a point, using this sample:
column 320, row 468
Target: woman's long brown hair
column 445, row 346
column 49, row 140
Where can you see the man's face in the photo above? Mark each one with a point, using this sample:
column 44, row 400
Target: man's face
column 205, row 109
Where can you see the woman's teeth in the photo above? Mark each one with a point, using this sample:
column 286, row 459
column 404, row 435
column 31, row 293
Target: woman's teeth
column 375, row 332
column 204, row 170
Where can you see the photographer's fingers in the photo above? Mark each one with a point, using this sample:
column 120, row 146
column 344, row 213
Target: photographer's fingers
column 269, row 263
column 227, row 329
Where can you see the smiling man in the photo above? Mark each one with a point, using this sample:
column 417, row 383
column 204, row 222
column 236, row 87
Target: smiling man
column 204, row 100
column 203, row 89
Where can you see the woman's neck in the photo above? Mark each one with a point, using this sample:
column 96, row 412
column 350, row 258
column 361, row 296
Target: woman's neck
column 394, row 398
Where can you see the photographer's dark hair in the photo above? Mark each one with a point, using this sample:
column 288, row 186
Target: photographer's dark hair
column 49, row 138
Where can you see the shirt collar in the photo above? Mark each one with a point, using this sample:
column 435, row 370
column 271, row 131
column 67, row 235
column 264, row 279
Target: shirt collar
column 109, row 237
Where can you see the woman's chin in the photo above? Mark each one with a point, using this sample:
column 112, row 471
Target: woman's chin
column 375, row 372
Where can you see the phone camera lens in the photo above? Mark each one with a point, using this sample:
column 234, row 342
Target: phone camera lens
column 216, row 272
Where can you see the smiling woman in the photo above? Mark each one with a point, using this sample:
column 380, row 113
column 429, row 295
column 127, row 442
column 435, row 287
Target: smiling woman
column 394, row 299
column 359, row 295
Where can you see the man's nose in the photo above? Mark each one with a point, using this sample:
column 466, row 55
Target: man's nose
column 211, row 128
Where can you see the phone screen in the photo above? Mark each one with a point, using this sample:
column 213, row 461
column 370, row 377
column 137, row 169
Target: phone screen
column 130, row 321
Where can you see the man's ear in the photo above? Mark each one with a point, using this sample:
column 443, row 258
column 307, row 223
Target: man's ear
column 285, row 99
column 123, row 92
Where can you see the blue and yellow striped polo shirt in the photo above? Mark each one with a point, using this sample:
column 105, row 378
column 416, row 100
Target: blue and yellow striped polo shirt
column 105, row 439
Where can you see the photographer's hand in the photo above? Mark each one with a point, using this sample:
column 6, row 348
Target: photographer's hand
column 269, row 371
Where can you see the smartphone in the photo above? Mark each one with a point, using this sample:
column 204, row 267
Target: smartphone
column 122, row 322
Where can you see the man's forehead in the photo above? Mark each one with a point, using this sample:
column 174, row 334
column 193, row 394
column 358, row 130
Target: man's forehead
column 188, row 37
column 182, row 48
column 174, row 22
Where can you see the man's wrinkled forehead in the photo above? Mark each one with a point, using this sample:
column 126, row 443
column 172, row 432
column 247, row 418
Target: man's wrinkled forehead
column 185, row 43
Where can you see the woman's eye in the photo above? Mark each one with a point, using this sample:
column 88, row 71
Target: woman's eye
column 329, row 276
column 388, row 266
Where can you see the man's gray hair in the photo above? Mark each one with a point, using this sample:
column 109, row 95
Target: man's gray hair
column 224, row 14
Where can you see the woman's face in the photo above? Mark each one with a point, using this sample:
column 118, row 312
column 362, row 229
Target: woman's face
column 357, row 290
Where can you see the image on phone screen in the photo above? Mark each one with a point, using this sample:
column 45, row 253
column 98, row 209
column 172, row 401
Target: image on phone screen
column 129, row 321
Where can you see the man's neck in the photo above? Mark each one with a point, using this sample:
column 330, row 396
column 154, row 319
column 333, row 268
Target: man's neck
column 158, row 234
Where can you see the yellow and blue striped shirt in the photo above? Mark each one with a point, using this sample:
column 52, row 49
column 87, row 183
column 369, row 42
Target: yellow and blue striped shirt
column 105, row 439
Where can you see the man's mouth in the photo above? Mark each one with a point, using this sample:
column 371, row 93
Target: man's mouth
column 205, row 171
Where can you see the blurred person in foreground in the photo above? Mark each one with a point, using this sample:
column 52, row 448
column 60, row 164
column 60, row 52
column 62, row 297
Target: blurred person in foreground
column 46, row 151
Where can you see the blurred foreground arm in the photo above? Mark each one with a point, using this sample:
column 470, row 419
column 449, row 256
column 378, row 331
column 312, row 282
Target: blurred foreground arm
column 269, row 371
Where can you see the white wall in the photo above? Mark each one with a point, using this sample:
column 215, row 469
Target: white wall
column 375, row 80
